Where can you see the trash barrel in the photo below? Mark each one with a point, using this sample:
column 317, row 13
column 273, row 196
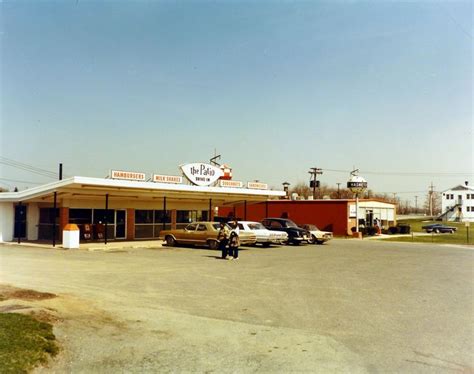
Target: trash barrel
column 71, row 236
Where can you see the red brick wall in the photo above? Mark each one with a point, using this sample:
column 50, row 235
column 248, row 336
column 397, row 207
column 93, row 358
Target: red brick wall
column 330, row 215
column 63, row 220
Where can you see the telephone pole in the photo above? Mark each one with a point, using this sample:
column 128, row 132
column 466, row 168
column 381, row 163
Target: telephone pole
column 430, row 201
column 313, row 181
column 416, row 204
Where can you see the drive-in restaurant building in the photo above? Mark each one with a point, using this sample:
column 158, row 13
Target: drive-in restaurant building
column 124, row 206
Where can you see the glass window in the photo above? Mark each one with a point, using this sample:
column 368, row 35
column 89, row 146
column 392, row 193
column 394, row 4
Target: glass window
column 161, row 214
column 191, row 227
column 143, row 216
column 143, row 231
column 187, row 216
column 80, row 216
column 276, row 225
column 202, row 227
column 47, row 215
column 100, row 215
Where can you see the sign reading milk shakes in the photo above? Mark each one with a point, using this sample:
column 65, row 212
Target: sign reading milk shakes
column 201, row 174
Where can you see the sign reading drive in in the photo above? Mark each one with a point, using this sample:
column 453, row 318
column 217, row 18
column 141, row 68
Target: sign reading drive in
column 201, row 174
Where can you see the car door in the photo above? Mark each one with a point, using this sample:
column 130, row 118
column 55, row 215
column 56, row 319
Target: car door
column 202, row 234
column 189, row 233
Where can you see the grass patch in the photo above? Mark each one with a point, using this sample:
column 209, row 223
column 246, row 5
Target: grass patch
column 459, row 236
column 24, row 343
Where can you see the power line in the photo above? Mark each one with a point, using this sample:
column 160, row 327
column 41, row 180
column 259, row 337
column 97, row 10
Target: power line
column 406, row 174
column 18, row 181
column 27, row 167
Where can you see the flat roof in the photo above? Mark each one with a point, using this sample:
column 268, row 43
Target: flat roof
column 95, row 188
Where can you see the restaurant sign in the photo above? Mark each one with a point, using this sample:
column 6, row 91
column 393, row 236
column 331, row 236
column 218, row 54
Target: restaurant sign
column 257, row 186
column 232, row 184
column 201, row 174
column 167, row 179
column 127, row 175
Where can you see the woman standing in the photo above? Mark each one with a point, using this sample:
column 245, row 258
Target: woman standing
column 234, row 240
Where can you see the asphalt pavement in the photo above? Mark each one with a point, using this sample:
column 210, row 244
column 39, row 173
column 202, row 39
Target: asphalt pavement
column 346, row 306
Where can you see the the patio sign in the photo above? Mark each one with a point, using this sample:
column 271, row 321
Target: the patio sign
column 202, row 174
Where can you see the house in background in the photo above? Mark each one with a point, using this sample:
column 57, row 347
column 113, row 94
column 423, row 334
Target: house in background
column 457, row 204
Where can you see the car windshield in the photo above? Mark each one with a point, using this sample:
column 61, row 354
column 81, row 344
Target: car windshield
column 256, row 226
column 289, row 223
column 310, row 227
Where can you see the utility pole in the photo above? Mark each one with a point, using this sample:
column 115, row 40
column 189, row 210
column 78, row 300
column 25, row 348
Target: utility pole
column 338, row 191
column 416, row 204
column 313, row 182
column 430, row 193
column 213, row 159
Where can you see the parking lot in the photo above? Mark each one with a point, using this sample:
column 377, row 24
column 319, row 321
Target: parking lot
column 347, row 306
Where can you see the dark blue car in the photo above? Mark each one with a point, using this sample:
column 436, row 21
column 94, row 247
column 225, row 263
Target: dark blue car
column 437, row 228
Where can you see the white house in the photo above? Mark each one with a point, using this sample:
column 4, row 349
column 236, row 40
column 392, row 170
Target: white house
column 457, row 204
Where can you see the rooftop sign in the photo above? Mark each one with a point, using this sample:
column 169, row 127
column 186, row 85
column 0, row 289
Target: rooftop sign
column 167, row 179
column 257, row 186
column 201, row 174
column 127, row 175
column 232, row 184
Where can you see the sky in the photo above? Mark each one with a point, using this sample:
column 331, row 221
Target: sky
column 274, row 87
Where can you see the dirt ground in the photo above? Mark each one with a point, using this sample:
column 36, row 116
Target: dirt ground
column 344, row 307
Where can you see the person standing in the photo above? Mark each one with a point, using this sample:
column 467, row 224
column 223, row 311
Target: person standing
column 223, row 238
column 234, row 240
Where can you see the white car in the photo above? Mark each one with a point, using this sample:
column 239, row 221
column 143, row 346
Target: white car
column 318, row 236
column 265, row 237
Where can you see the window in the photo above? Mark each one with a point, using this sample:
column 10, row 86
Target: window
column 276, row 225
column 452, row 197
column 101, row 214
column 47, row 216
column 80, row 216
column 143, row 216
column 202, row 227
column 191, row 227
column 162, row 216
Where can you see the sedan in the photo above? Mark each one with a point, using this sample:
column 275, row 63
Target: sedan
column 437, row 228
column 265, row 237
column 201, row 233
column 317, row 236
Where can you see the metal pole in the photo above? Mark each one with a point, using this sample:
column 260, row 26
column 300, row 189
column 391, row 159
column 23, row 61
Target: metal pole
column 18, row 226
column 60, row 172
column 210, row 209
column 164, row 213
column 106, row 218
column 357, row 212
column 54, row 218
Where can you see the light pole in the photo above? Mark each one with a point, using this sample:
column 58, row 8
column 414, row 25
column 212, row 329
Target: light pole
column 357, row 185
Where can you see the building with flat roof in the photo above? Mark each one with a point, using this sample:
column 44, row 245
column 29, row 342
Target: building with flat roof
column 125, row 206
column 336, row 215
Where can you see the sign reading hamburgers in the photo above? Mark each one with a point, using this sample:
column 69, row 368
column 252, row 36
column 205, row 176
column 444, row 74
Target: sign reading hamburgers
column 127, row 175
column 201, row 174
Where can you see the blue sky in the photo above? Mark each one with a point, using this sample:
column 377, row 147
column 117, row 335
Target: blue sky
column 275, row 87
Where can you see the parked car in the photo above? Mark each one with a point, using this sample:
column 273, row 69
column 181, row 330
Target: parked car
column 317, row 236
column 296, row 235
column 201, row 233
column 437, row 228
column 265, row 237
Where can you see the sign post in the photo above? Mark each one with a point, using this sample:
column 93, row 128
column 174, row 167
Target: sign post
column 357, row 185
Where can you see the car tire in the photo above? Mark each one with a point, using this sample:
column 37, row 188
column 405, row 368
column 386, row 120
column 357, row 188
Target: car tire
column 170, row 241
column 213, row 244
column 312, row 239
column 320, row 242
column 266, row 245
column 436, row 231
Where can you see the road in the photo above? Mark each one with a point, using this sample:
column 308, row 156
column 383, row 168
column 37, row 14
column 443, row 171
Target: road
column 348, row 306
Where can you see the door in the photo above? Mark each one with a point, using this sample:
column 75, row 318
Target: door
column 120, row 224
column 20, row 222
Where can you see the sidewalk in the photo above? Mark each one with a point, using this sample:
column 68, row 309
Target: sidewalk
column 110, row 246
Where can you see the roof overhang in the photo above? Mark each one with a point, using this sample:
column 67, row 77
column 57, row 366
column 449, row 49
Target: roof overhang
column 97, row 188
